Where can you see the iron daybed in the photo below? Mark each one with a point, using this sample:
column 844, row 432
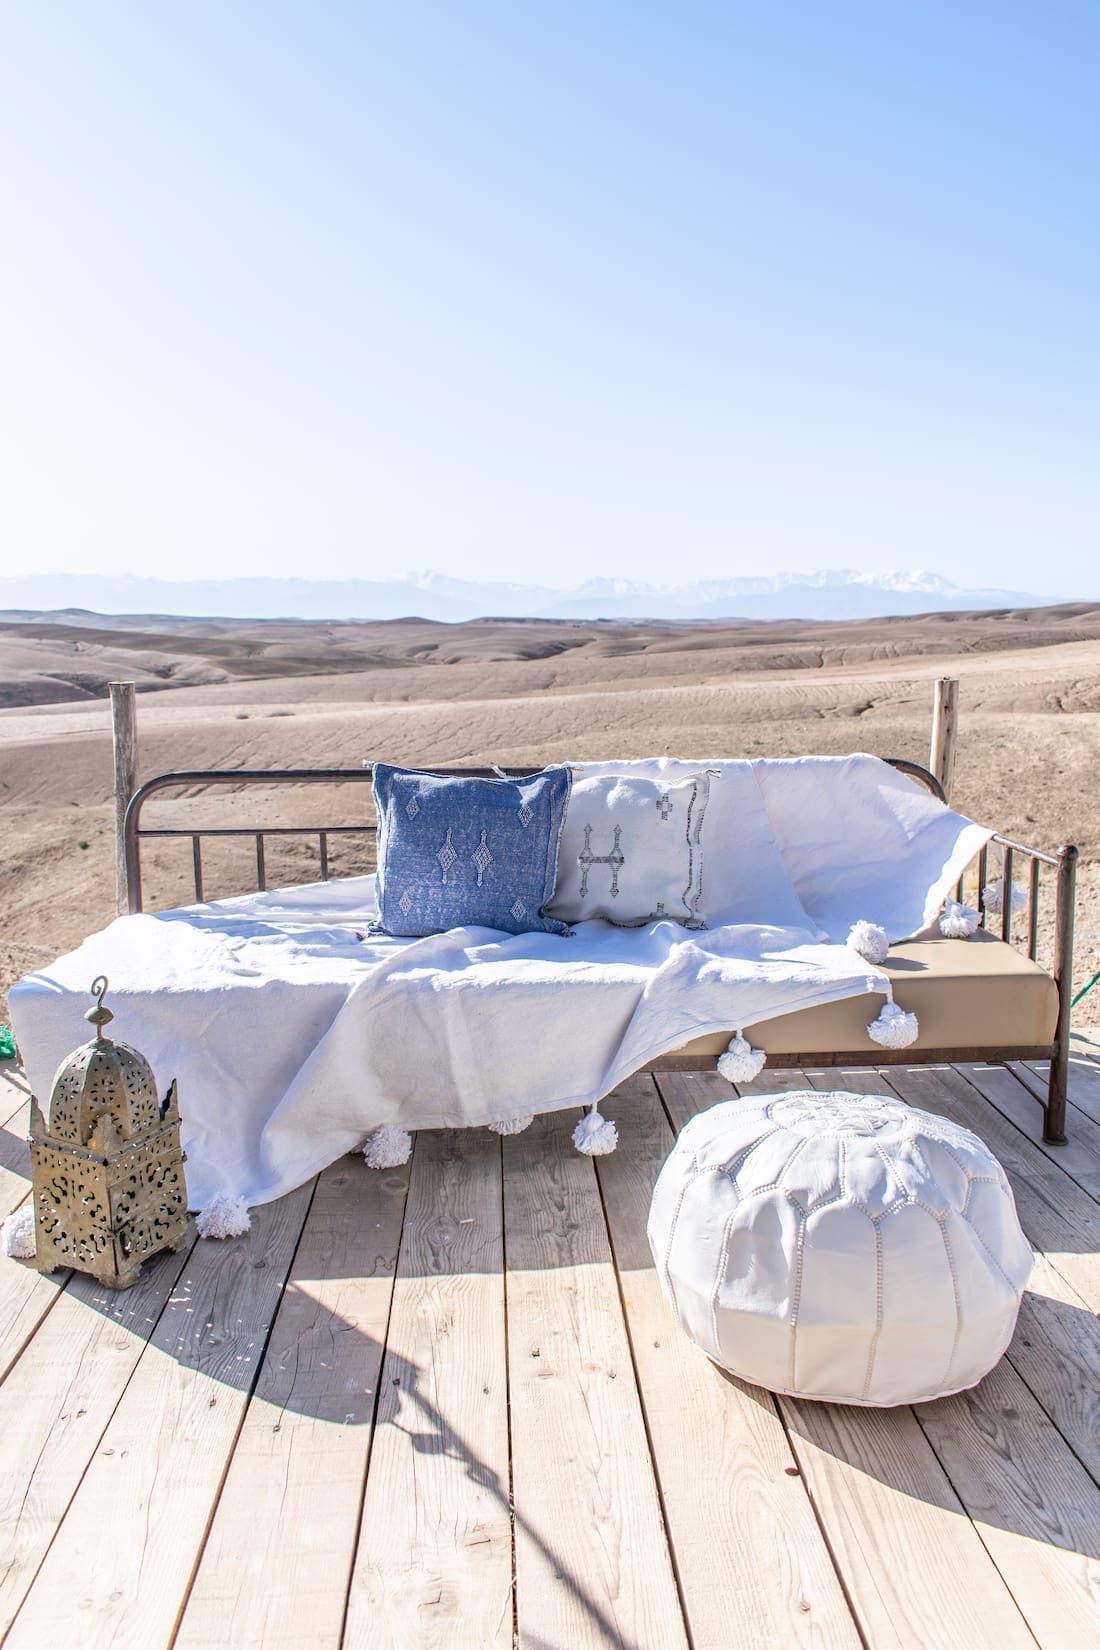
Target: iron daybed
column 987, row 998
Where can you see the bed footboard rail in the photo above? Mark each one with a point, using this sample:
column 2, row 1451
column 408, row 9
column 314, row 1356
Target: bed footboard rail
column 1009, row 892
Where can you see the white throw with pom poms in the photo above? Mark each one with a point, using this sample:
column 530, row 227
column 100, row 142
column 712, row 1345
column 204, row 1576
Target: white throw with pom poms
column 741, row 1062
column 17, row 1234
column 993, row 896
column 594, row 1135
column 958, row 921
column 224, row 1217
column 870, row 941
column 894, row 1028
column 388, row 1147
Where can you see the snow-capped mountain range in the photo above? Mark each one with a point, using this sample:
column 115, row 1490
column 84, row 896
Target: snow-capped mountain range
column 833, row 593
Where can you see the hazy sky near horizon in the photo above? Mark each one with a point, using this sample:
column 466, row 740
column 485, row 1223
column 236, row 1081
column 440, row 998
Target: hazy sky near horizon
column 545, row 291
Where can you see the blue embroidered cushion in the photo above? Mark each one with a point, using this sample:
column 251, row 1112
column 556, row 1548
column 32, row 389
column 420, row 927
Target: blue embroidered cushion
column 456, row 852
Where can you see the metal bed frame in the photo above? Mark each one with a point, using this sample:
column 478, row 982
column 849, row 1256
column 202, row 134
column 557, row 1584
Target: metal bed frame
column 1005, row 854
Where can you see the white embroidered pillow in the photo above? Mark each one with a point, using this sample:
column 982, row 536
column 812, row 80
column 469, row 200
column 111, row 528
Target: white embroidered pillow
column 632, row 851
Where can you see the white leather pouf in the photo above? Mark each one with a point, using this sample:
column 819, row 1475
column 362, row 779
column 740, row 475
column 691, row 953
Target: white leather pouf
column 840, row 1246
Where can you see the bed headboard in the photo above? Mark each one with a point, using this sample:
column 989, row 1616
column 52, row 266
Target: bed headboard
column 203, row 778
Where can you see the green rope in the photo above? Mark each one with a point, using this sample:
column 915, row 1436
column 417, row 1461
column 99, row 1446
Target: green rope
column 7, row 1044
column 1085, row 988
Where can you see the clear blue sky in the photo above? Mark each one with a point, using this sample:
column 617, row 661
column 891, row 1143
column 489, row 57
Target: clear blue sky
column 551, row 290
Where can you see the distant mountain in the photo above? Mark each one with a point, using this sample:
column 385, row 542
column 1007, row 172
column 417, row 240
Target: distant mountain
column 835, row 593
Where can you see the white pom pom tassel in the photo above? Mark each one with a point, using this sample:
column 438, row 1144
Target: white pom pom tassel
column 870, row 941
column 993, row 896
column 894, row 1028
column 741, row 1062
column 17, row 1234
column 958, row 921
column 511, row 1125
column 388, row 1148
column 594, row 1135
column 224, row 1217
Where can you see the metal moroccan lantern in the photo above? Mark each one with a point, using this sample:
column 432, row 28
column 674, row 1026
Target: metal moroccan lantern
column 107, row 1174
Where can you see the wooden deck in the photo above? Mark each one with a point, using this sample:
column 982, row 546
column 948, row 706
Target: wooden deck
column 447, row 1406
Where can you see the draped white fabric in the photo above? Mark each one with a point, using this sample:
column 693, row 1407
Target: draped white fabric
column 292, row 1038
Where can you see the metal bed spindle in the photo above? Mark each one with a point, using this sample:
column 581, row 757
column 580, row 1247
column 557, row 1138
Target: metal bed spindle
column 1033, row 909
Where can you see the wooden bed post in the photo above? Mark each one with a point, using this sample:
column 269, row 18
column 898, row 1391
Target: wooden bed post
column 1054, row 1112
column 945, row 727
column 124, row 732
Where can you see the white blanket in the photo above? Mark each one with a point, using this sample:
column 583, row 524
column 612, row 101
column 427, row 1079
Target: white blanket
column 293, row 1038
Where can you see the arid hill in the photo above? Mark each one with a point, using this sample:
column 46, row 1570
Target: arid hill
column 283, row 693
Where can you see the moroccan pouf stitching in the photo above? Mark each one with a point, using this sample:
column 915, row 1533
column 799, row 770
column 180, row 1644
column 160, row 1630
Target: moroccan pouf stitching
column 842, row 1247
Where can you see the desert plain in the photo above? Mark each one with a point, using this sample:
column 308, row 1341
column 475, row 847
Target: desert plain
column 235, row 693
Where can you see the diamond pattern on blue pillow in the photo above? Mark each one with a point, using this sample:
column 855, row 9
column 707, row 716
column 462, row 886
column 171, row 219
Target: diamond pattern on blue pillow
column 456, row 852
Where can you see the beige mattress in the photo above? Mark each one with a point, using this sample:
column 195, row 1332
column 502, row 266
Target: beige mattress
column 976, row 993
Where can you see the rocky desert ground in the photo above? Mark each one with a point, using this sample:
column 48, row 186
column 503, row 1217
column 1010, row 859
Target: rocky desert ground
column 282, row 694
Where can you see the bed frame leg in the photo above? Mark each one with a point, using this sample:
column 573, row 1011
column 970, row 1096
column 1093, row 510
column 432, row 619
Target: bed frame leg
column 1054, row 1112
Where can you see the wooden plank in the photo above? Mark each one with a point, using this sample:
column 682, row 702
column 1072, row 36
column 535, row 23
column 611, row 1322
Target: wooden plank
column 25, row 1298
column 592, row 1559
column 15, row 1091
column 1083, row 1082
column 1056, row 1349
column 729, row 1485
column 434, row 1562
column 57, row 1402
column 275, row 1569
column 1012, row 1095
column 1058, row 1216
column 120, row 1564
column 15, row 1157
column 25, row 1295
column 913, row 1566
column 1035, row 1506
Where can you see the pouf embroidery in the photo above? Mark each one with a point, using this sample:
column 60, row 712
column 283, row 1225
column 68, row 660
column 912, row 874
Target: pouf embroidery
column 840, row 1246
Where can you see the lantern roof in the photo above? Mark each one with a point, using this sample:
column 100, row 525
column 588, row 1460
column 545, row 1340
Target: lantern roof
column 105, row 1093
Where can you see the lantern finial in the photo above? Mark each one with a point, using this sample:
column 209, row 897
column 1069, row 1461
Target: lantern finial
column 99, row 1016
